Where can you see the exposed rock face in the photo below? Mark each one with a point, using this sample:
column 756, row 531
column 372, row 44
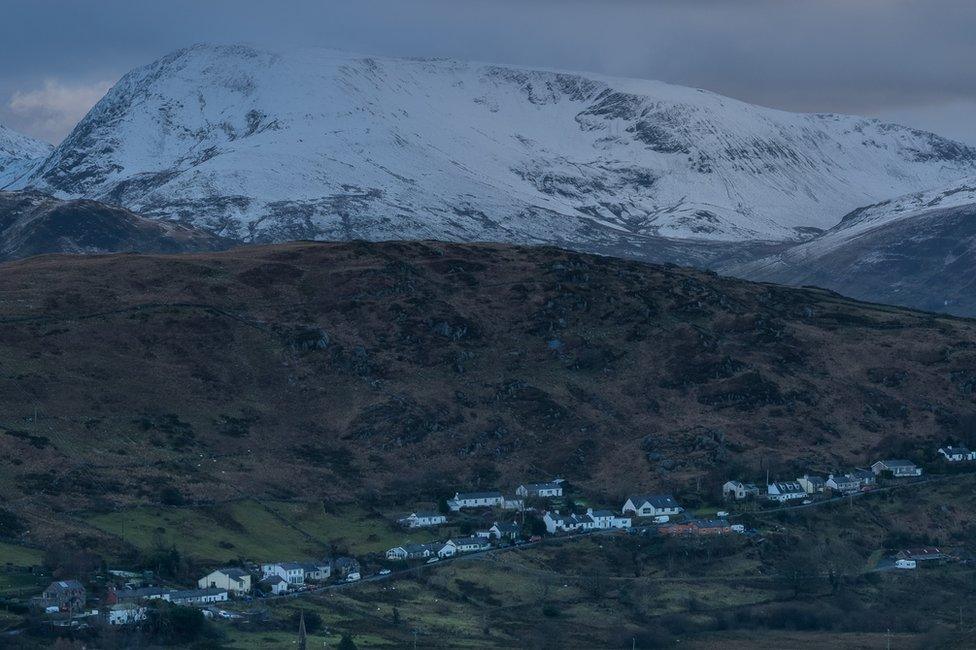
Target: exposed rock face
column 32, row 224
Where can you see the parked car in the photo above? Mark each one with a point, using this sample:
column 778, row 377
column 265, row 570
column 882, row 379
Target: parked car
column 353, row 577
column 384, row 572
column 662, row 519
column 807, row 502
column 721, row 513
column 433, row 559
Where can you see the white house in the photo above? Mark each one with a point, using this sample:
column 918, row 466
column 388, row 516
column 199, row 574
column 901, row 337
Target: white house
column 125, row 614
column 811, row 484
column 898, row 468
column 476, row 500
column 785, row 491
column 237, row 581
column 556, row 522
column 605, row 520
column 422, row 519
column 276, row 584
column 738, row 490
column 955, row 454
column 292, row 572
column 463, row 545
column 845, row 483
column 198, row 596
column 540, row 490
column 409, row 552
column 513, row 503
column 651, row 505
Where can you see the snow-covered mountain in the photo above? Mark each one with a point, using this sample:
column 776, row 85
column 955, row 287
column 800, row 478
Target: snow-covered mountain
column 18, row 153
column 317, row 144
column 918, row 250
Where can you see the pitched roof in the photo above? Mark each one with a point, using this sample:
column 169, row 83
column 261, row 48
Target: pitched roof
column 65, row 585
column 898, row 462
column 233, row 572
column 478, row 495
column 273, row 580
column 659, row 501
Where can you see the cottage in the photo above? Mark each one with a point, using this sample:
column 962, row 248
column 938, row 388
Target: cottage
column 548, row 490
column 812, row 484
column 651, row 505
column 845, row 484
column 604, row 520
column 409, row 552
column 275, row 584
column 785, row 491
column 476, row 500
column 293, row 572
column 317, row 571
column 509, row 530
column 898, row 468
column 556, row 522
column 422, row 519
column 343, row 567
column 236, row 581
column 738, row 490
column 462, row 545
column 125, row 614
column 956, row 454
column 198, row 596
column 66, row 595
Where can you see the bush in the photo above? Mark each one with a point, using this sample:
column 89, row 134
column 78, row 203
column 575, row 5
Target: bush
column 10, row 525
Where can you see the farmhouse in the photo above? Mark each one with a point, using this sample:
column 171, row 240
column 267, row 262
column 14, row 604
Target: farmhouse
column 812, row 484
column 198, row 596
column 738, row 490
column 785, row 491
column 957, row 454
column 540, row 490
column 408, row 552
column 463, row 545
column 898, row 468
column 293, row 572
column 845, row 484
column 476, row 500
column 237, row 581
column 422, row 519
column 66, row 595
column 651, row 505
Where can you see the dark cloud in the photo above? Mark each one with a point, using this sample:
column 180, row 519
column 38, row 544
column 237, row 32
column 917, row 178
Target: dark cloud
column 906, row 58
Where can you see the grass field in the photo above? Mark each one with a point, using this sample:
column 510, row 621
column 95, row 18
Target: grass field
column 254, row 530
column 21, row 556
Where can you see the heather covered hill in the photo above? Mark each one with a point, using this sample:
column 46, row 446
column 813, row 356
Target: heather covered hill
column 355, row 370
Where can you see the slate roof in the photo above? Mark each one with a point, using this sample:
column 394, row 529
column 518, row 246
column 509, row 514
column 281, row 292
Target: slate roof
column 464, row 496
column 658, row 501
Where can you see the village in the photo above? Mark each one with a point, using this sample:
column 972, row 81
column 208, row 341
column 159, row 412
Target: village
column 529, row 515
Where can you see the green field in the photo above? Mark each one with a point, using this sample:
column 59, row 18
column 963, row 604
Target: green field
column 253, row 530
column 21, row 556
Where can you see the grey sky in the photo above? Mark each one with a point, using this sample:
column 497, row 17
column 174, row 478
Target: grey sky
column 906, row 60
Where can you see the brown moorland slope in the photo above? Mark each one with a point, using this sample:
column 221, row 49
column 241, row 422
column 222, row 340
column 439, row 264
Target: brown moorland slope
column 357, row 370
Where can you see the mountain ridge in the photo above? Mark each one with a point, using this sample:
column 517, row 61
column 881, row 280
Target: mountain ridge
column 271, row 146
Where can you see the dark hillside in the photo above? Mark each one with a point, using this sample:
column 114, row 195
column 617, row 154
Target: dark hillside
column 358, row 370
